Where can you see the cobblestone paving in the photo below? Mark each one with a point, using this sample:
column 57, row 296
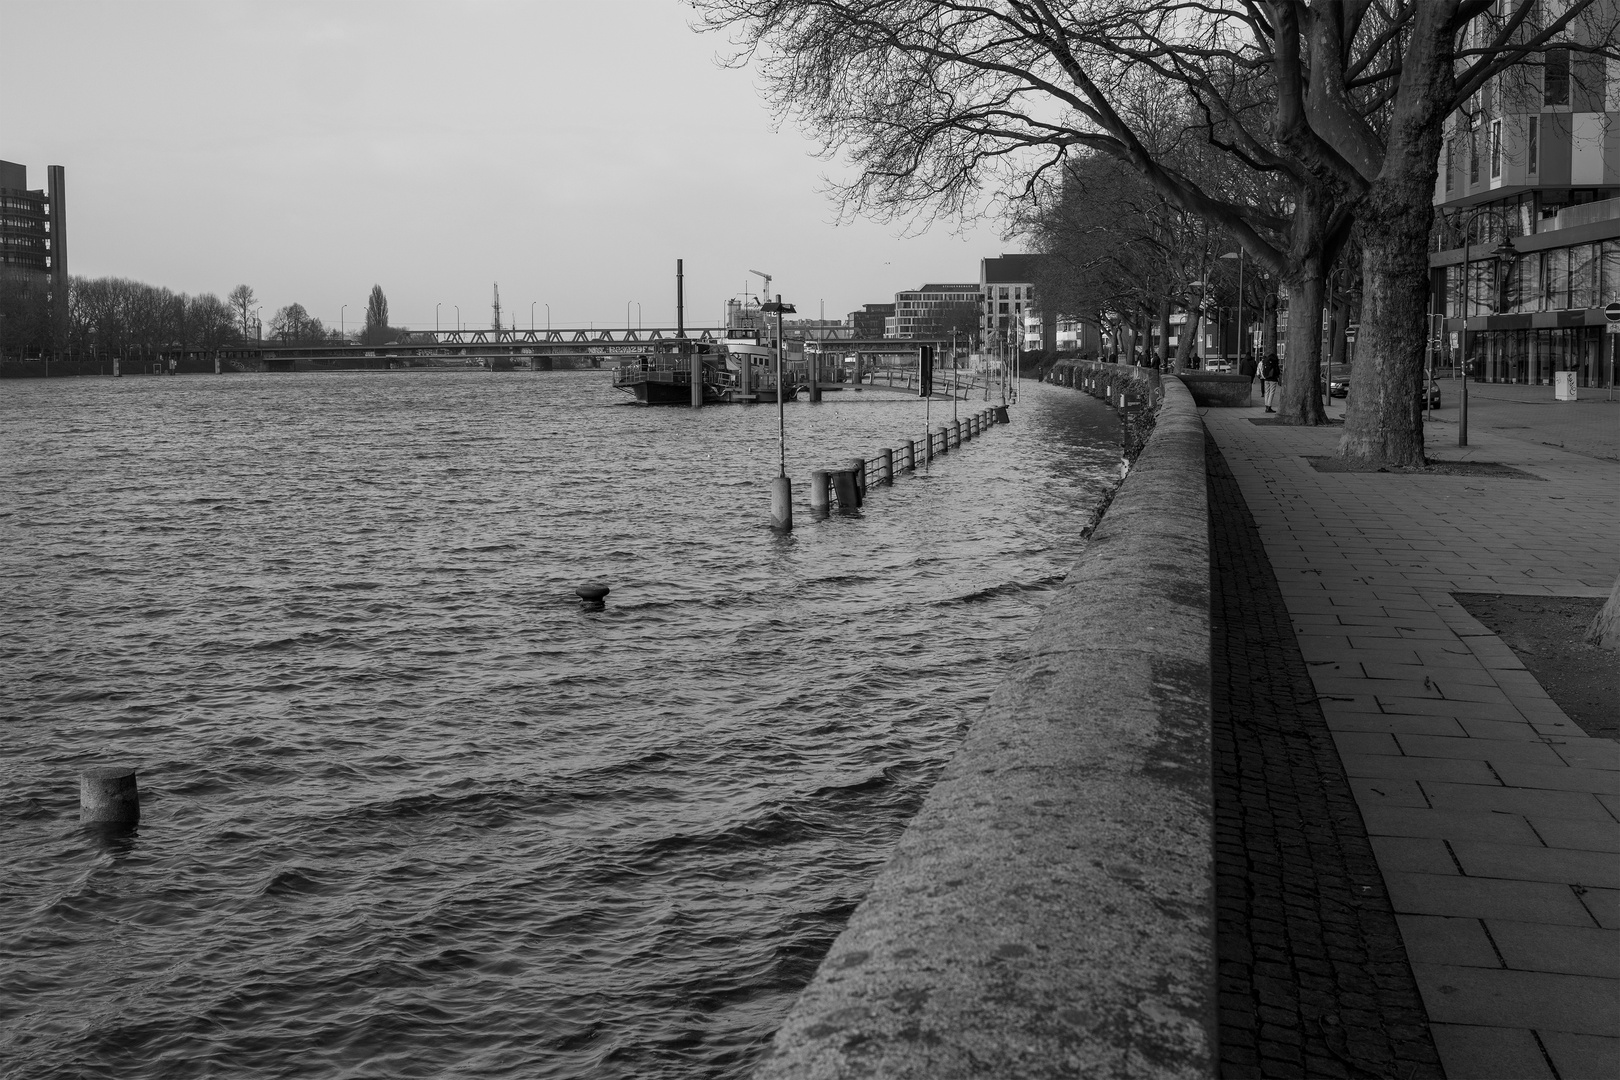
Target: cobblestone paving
column 1314, row 978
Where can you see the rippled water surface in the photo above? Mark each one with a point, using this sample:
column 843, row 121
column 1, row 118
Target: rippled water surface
column 408, row 810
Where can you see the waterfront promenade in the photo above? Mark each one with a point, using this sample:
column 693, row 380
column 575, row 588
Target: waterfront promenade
column 1494, row 820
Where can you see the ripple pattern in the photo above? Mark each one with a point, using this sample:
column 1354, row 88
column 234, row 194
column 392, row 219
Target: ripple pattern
column 408, row 809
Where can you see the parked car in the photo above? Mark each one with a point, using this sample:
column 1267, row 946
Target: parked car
column 1432, row 400
column 1339, row 386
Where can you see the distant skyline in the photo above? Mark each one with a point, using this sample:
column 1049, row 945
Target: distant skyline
column 571, row 152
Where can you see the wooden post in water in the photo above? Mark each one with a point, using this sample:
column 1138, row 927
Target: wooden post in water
column 813, row 365
column 885, row 466
column 108, row 796
column 818, row 492
column 908, row 456
column 782, row 504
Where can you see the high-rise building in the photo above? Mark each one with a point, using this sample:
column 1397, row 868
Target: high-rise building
column 1529, row 178
column 33, row 241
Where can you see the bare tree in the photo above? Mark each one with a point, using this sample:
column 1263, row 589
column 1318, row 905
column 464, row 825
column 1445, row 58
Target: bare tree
column 940, row 102
column 241, row 300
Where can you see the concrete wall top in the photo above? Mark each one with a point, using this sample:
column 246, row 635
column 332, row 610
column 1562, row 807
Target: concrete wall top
column 1049, row 911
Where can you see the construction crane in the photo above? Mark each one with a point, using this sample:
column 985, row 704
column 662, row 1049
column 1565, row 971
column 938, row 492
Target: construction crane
column 766, row 293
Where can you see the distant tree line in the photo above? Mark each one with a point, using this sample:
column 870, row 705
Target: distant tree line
column 114, row 316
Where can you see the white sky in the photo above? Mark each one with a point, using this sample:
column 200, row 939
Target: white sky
column 569, row 149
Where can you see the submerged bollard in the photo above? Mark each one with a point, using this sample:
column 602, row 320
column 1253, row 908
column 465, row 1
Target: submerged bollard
column 858, row 467
column 819, row 492
column 885, row 466
column 846, row 490
column 592, row 593
column 1001, row 415
column 108, row 796
column 908, row 455
column 782, row 504
column 956, row 433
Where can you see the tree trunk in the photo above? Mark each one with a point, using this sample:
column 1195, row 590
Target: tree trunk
column 1383, row 424
column 1299, row 398
column 1164, row 332
column 1605, row 631
column 1189, row 334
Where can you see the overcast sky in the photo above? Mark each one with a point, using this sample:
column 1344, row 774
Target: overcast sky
column 570, row 150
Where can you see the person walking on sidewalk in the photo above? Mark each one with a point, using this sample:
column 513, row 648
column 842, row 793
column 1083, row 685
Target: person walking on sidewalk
column 1269, row 375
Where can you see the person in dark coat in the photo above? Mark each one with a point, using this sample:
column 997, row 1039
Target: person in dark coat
column 1270, row 376
column 1246, row 365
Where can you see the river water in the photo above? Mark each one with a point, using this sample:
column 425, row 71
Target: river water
column 407, row 808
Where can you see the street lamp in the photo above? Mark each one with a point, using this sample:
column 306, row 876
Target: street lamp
column 532, row 304
column 458, row 317
column 343, row 326
column 1238, row 255
column 1501, row 258
column 548, row 318
column 435, row 322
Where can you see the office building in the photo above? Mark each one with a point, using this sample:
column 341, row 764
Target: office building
column 934, row 311
column 1530, row 176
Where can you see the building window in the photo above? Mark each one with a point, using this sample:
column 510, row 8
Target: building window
column 1533, row 144
column 1451, row 164
column 1609, row 269
column 1555, row 77
column 1473, row 155
column 1555, row 279
column 1583, row 276
column 1496, row 149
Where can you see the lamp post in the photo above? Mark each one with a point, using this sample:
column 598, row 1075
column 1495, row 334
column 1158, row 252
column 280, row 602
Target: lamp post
column 781, row 489
column 1238, row 255
column 532, row 304
column 548, row 318
column 435, row 322
column 458, row 317
column 1502, row 256
column 343, row 325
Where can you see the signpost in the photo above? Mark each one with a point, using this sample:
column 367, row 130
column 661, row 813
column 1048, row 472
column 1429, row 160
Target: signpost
column 1612, row 313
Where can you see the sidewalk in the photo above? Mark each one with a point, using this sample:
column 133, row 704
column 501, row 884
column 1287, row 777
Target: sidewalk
column 1589, row 425
column 1495, row 821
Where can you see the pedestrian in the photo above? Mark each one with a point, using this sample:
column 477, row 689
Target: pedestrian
column 1246, row 365
column 1270, row 374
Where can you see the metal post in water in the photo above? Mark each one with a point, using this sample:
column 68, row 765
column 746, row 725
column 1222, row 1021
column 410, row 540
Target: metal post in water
column 108, row 795
column 846, row 490
column 782, row 504
column 908, row 456
column 885, row 466
column 956, row 433
column 858, row 467
column 819, row 492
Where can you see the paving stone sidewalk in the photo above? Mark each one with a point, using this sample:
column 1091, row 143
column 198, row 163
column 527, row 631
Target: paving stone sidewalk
column 1494, row 819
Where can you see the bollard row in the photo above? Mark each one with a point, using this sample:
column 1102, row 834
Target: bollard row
column 846, row 487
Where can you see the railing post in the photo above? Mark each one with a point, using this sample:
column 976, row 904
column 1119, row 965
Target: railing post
column 885, row 466
column 844, row 487
column 908, row 455
column 858, row 466
column 818, row 493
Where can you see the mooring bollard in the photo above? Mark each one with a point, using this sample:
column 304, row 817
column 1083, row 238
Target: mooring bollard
column 782, row 504
column 818, row 492
column 885, row 466
column 108, row 795
column 846, row 490
column 908, row 456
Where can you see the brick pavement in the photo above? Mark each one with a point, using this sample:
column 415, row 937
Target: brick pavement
column 1495, row 821
column 1313, row 976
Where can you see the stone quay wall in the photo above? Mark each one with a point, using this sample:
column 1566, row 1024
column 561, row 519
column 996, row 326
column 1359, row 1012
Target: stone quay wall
column 1049, row 911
